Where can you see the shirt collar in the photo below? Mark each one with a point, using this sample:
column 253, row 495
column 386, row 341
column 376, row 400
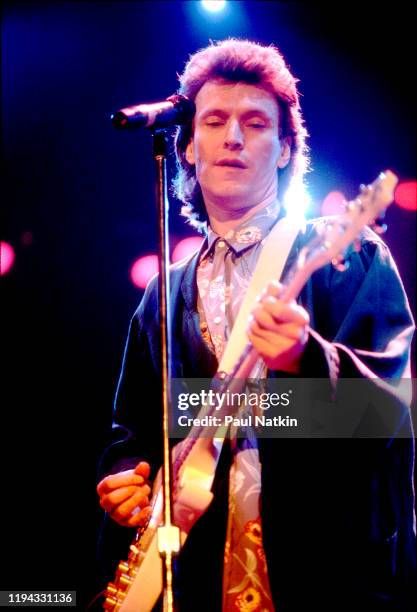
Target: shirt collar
column 247, row 233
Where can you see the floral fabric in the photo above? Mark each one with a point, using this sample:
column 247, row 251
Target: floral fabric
column 245, row 575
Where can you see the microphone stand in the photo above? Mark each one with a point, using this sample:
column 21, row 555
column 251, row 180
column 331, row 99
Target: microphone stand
column 168, row 533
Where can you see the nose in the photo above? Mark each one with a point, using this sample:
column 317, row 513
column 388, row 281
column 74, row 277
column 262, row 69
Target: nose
column 234, row 136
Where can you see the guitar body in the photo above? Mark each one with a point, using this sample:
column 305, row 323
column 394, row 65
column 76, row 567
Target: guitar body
column 139, row 580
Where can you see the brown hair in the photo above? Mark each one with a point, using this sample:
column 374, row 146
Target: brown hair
column 239, row 61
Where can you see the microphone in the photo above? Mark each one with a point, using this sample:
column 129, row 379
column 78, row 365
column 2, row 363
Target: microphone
column 175, row 110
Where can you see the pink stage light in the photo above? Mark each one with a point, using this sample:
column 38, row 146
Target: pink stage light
column 147, row 266
column 143, row 269
column 405, row 195
column 333, row 204
column 185, row 247
column 7, row 257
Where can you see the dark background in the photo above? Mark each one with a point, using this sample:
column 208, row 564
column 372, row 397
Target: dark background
column 78, row 207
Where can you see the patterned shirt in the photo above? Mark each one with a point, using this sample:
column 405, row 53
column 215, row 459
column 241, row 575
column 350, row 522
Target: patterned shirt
column 223, row 276
column 224, row 272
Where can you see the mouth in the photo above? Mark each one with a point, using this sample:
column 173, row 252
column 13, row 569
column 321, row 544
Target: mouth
column 231, row 163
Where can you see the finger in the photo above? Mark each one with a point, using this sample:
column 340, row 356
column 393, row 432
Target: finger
column 124, row 510
column 143, row 469
column 269, row 343
column 115, row 481
column 274, row 288
column 139, row 519
column 283, row 312
column 262, row 346
column 113, row 499
column 283, row 333
column 282, row 336
column 284, row 357
column 264, row 319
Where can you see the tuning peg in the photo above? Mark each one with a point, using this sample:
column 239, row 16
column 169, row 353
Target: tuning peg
column 356, row 204
column 365, row 189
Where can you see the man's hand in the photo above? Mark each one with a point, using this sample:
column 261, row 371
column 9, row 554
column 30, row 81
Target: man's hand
column 278, row 330
column 125, row 496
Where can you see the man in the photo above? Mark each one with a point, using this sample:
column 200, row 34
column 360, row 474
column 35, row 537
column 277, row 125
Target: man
column 332, row 525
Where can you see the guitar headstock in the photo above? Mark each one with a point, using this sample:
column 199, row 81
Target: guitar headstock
column 339, row 232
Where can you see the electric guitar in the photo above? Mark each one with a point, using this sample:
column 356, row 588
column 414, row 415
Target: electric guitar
column 139, row 580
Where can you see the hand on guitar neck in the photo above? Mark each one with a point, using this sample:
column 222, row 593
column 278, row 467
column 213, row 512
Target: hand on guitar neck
column 278, row 330
column 125, row 496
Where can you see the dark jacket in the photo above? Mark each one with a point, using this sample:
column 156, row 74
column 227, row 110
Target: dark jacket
column 337, row 513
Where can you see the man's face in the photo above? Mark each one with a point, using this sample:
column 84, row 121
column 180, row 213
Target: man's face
column 235, row 145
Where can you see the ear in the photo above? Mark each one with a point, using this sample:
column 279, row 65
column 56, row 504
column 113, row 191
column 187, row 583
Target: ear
column 189, row 153
column 285, row 154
